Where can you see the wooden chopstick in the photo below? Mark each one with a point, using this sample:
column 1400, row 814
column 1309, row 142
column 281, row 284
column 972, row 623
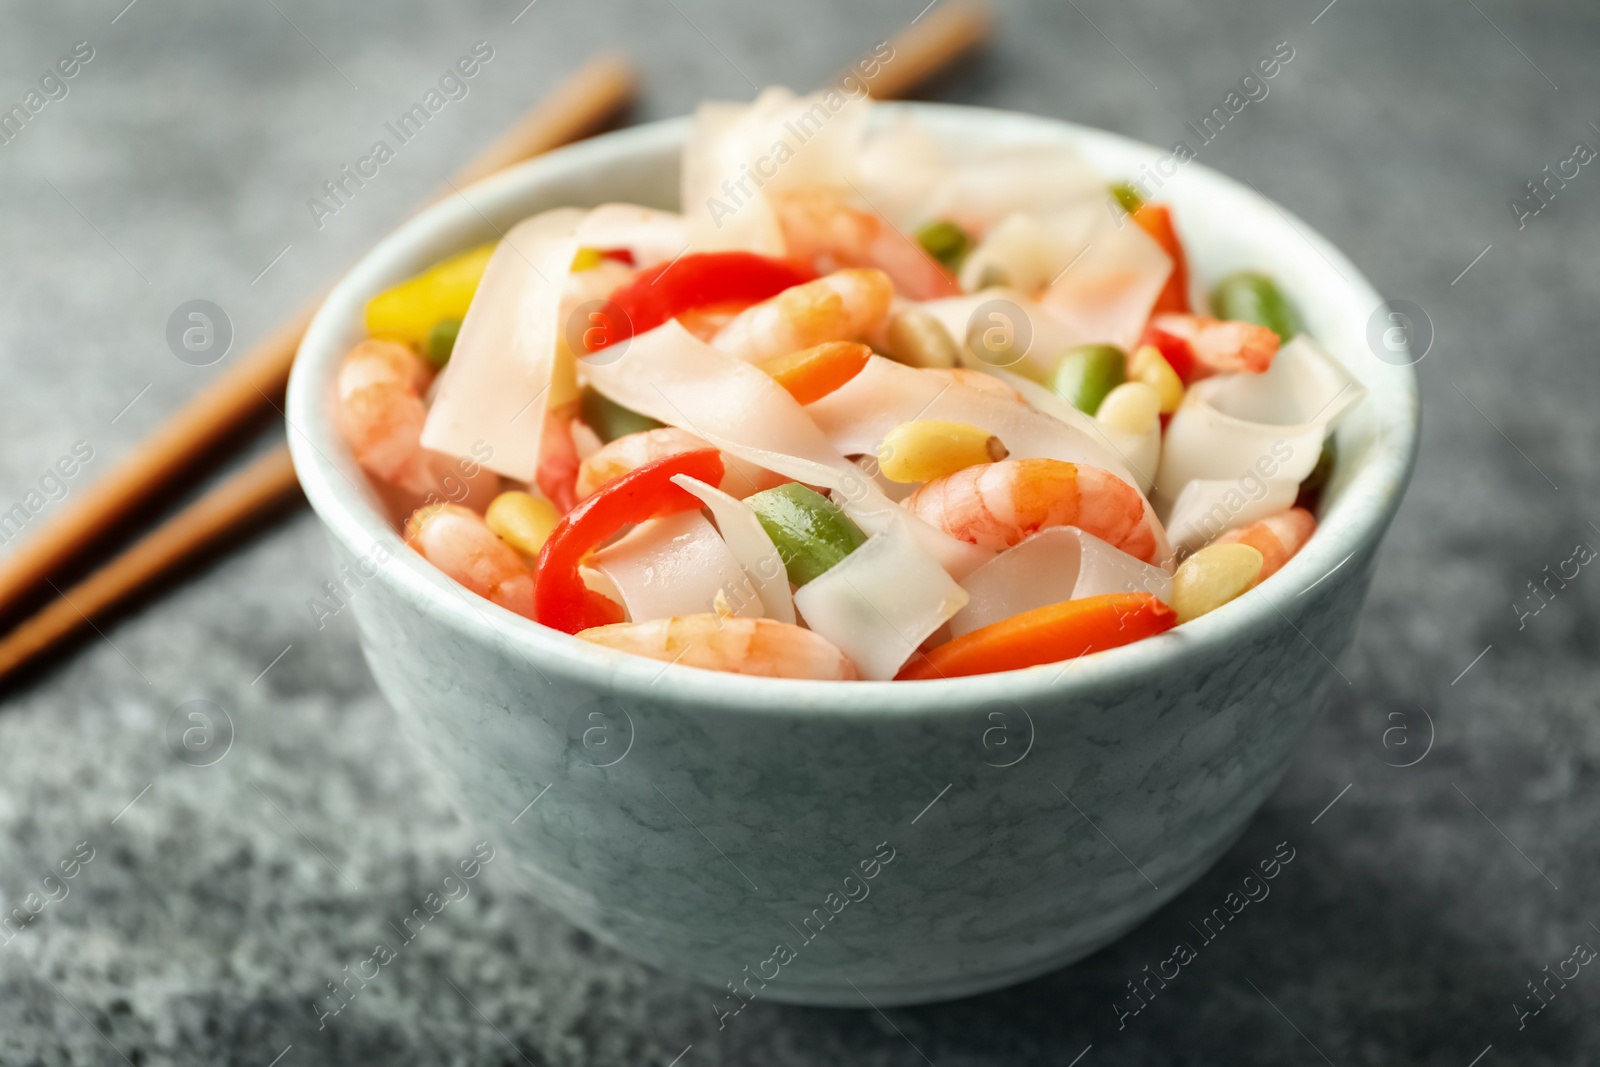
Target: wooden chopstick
column 922, row 51
column 243, row 498
column 578, row 107
column 937, row 38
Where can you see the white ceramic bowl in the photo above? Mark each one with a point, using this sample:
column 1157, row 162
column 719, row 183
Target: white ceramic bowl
column 736, row 829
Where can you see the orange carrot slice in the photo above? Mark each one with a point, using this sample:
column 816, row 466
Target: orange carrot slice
column 812, row 373
column 1049, row 634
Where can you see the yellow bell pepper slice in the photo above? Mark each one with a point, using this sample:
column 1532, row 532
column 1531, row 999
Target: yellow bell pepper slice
column 408, row 311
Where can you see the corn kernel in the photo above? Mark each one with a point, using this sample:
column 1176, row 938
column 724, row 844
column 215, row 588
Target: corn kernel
column 1132, row 407
column 925, row 449
column 917, row 339
column 1213, row 576
column 1148, row 365
column 522, row 520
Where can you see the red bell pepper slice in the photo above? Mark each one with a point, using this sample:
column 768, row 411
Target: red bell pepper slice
column 560, row 600
column 1176, row 351
column 669, row 289
column 1156, row 220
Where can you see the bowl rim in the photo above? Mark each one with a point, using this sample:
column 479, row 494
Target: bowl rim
column 1368, row 501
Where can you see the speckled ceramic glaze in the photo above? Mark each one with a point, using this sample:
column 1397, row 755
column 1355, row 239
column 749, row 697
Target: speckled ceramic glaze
column 891, row 842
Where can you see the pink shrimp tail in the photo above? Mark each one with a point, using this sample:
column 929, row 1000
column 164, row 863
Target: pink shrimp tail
column 1277, row 537
column 557, row 476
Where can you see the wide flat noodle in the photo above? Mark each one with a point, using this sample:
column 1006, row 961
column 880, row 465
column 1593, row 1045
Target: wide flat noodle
column 1233, row 427
column 1007, row 321
column 750, row 544
column 881, row 601
column 1027, row 251
column 1098, row 272
column 874, row 511
column 736, row 152
column 1056, row 564
column 676, row 565
column 652, row 236
column 1206, row 509
column 1140, row 452
column 857, row 415
column 909, row 175
column 898, row 168
column 711, row 155
column 1109, row 286
column 674, row 377
column 493, row 394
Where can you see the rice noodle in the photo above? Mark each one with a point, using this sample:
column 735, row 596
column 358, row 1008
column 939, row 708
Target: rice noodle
column 1037, row 330
column 857, row 415
column 652, row 236
column 735, row 152
column 674, row 377
column 747, row 539
column 1056, row 564
column 1206, row 509
column 881, row 601
column 1109, row 286
column 494, row 392
column 912, row 178
column 1237, row 427
column 1141, row 453
column 676, row 565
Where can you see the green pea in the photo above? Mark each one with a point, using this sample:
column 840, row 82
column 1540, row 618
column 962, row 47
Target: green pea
column 1087, row 373
column 810, row 531
column 609, row 419
column 1250, row 296
column 945, row 242
column 1126, row 195
column 441, row 342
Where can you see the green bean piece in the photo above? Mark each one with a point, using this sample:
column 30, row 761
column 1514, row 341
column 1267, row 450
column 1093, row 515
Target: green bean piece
column 945, row 242
column 1127, row 196
column 810, row 531
column 1250, row 296
column 441, row 342
column 609, row 419
column 1087, row 373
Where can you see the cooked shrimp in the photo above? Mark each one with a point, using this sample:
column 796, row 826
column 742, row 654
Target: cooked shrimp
column 733, row 644
column 706, row 322
column 975, row 379
column 1222, row 347
column 381, row 412
column 458, row 542
column 820, row 226
column 996, row 505
column 558, row 458
column 381, row 409
column 1276, row 537
column 630, row 451
column 843, row 306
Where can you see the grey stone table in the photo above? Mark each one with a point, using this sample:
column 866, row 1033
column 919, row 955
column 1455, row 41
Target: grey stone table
column 210, row 905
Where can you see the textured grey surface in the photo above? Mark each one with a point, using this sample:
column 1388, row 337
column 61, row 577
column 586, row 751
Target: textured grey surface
column 218, row 904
